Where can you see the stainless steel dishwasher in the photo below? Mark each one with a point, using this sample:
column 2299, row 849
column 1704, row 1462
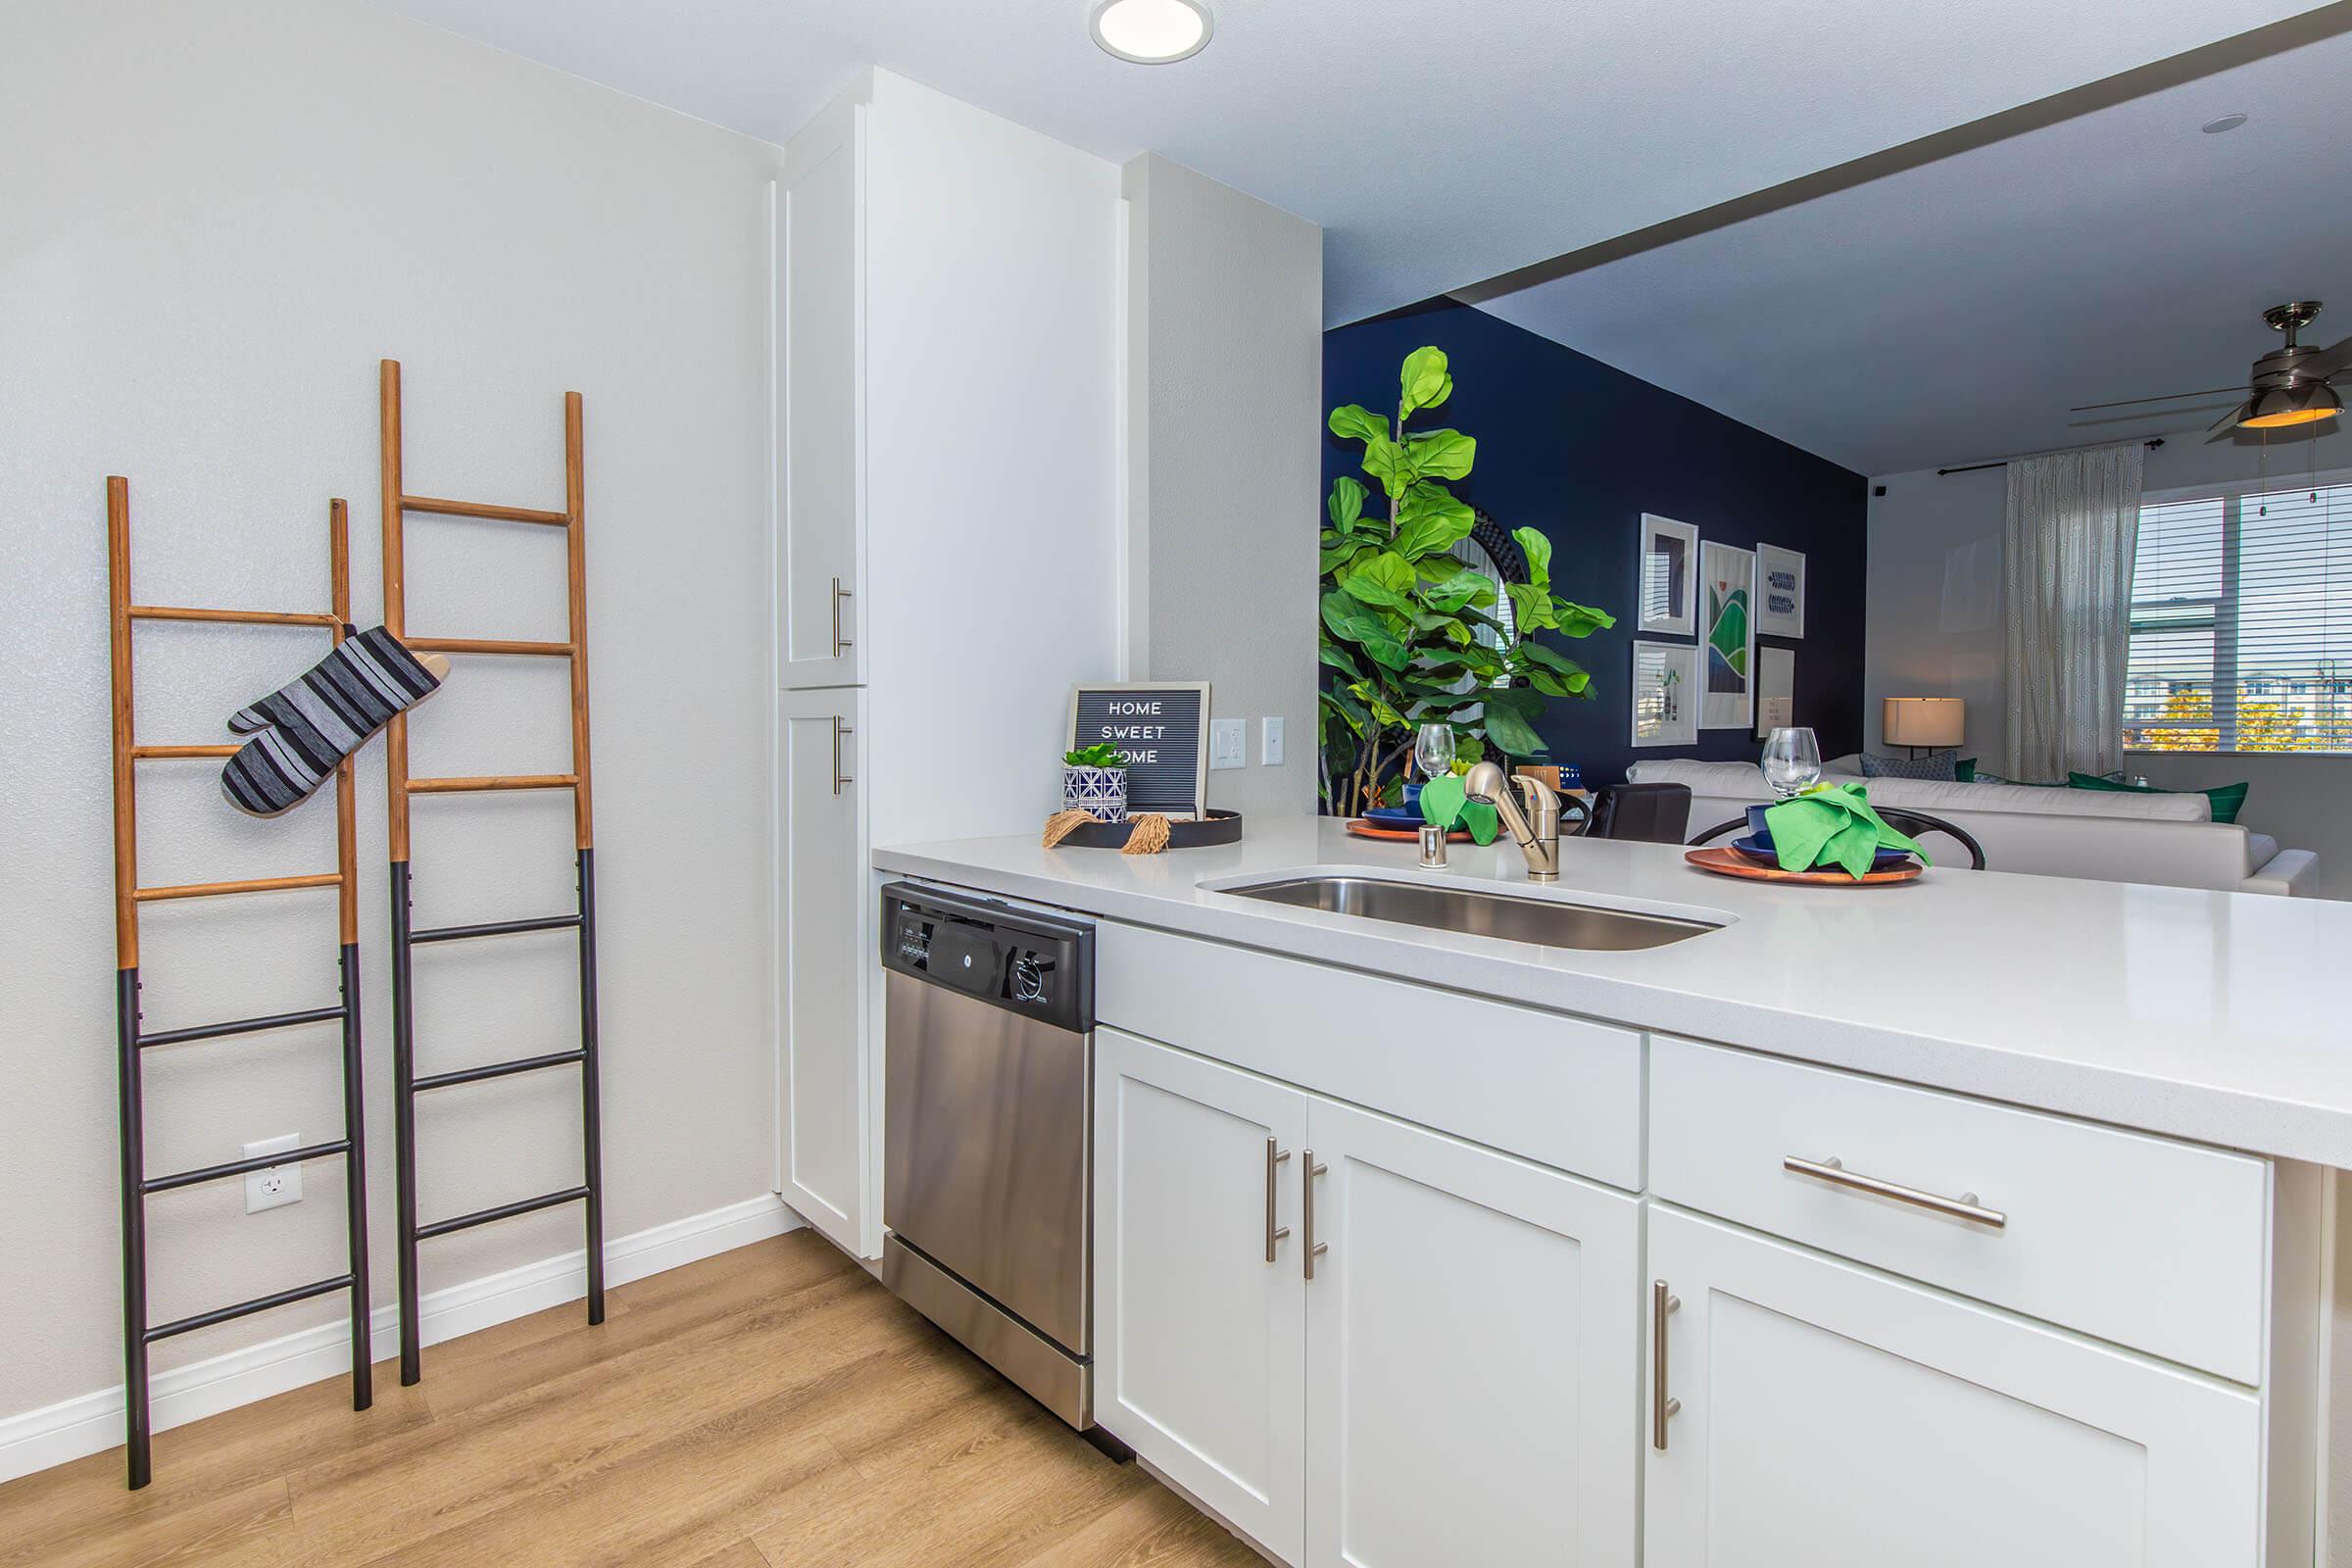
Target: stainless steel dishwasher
column 988, row 1102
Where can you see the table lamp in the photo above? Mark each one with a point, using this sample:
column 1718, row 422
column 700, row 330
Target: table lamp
column 1925, row 723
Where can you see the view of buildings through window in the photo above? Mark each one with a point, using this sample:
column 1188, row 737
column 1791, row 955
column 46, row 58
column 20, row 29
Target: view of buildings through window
column 2241, row 623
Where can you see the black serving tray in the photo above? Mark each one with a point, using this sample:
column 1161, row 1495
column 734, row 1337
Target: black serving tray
column 1222, row 827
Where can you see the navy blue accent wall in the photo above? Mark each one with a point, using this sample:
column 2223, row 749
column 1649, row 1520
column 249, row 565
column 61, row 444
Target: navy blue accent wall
column 1578, row 450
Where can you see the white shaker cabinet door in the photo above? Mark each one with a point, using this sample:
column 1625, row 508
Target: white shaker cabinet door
column 826, row 934
column 1472, row 1339
column 1200, row 1344
column 820, row 401
column 1831, row 1414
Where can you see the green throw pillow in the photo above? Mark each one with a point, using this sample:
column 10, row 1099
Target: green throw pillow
column 2228, row 798
column 1964, row 772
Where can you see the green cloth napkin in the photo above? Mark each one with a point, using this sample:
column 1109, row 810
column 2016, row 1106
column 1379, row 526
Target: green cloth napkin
column 1444, row 803
column 1833, row 824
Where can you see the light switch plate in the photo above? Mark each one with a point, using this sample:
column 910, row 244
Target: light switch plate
column 278, row 1185
column 1228, row 743
column 1269, row 741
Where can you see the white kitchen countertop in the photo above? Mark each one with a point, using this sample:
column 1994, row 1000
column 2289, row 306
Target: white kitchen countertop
column 2206, row 1015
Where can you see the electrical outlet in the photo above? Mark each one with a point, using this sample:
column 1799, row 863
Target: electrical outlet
column 278, row 1185
column 1228, row 743
column 1269, row 742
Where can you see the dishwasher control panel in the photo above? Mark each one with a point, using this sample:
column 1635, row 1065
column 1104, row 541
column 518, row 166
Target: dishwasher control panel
column 1019, row 959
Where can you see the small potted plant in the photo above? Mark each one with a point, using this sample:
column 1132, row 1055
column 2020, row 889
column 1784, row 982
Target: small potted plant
column 1094, row 780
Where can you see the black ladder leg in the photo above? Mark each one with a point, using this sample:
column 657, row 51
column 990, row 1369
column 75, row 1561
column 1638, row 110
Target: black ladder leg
column 134, row 1229
column 591, row 1110
column 355, row 1185
column 404, row 1122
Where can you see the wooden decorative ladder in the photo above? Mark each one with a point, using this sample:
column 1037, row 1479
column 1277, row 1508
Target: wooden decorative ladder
column 132, row 1043
column 406, row 939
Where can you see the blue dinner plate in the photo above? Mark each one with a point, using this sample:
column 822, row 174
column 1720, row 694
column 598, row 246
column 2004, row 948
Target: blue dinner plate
column 1395, row 816
column 1758, row 847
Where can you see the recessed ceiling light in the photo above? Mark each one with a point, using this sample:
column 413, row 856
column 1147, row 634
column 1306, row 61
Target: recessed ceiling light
column 1151, row 33
column 2214, row 127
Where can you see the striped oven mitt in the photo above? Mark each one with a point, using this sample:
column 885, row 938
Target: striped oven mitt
column 304, row 729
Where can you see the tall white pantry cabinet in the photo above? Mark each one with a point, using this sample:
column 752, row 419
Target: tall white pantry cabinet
column 947, row 296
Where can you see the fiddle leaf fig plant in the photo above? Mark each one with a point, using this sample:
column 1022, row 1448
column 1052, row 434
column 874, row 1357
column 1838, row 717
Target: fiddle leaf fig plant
column 1409, row 636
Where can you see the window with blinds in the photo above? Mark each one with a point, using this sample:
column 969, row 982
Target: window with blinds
column 2241, row 623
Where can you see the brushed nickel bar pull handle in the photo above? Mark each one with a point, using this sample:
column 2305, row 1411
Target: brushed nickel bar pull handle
column 840, row 778
column 1274, row 1157
column 1662, row 1305
column 1833, row 1170
column 1307, row 1211
column 839, row 594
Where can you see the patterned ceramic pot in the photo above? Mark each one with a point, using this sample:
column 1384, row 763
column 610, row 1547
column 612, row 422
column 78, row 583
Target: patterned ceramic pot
column 1099, row 792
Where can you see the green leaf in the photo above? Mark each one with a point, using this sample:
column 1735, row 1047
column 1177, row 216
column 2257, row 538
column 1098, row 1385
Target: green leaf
column 1386, row 648
column 1534, row 653
column 1567, row 677
column 1351, row 622
column 1355, row 422
column 1539, row 555
column 1347, row 503
column 1424, row 379
column 1335, row 713
column 1384, row 579
column 1515, row 700
column 1344, row 617
column 1512, row 733
column 1390, row 464
column 1463, row 588
column 1532, row 604
column 1430, row 523
column 1580, row 620
column 1337, row 658
column 1442, row 454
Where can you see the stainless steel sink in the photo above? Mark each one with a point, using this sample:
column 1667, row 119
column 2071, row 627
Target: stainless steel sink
column 1547, row 922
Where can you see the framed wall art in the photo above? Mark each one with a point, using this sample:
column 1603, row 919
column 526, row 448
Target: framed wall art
column 1665, row 694
column 1779, row 592
column 1667, row 585
column 1726, row 594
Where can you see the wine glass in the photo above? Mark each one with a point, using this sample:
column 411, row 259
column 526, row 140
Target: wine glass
column 1433, row 750
column 1791, row 762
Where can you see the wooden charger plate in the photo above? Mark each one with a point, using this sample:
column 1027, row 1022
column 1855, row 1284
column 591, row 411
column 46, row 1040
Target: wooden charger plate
column 1365, row 828
column 1730, row 863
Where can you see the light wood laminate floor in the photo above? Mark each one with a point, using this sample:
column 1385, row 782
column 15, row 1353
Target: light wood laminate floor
column 771, row 1407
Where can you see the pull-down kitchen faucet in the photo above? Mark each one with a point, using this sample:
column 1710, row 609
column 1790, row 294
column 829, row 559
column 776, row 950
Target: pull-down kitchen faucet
column 1537, row 830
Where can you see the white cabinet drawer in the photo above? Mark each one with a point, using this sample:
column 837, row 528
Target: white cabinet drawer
column 1559, row 1091
column 2151, row 1243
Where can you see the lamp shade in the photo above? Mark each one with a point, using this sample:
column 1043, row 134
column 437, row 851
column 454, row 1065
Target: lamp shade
column 2278, row 407
column 1925, row 720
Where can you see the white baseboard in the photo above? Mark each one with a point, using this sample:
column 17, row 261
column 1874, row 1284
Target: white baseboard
column 92, row 1423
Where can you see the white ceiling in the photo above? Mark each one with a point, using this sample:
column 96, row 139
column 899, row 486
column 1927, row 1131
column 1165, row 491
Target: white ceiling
column 1438, row 144
column 1955, row 312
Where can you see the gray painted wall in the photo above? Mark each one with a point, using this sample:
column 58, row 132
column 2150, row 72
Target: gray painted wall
column 1224, row 421
column 218, row 216
column 1935, row 630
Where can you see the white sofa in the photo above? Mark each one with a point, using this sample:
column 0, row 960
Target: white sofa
column 2119, row 836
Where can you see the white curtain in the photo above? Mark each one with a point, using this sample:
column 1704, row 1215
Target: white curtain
column 2073, row 535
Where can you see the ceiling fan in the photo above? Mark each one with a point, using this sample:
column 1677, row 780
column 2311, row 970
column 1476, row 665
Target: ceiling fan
column 2290, row 385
